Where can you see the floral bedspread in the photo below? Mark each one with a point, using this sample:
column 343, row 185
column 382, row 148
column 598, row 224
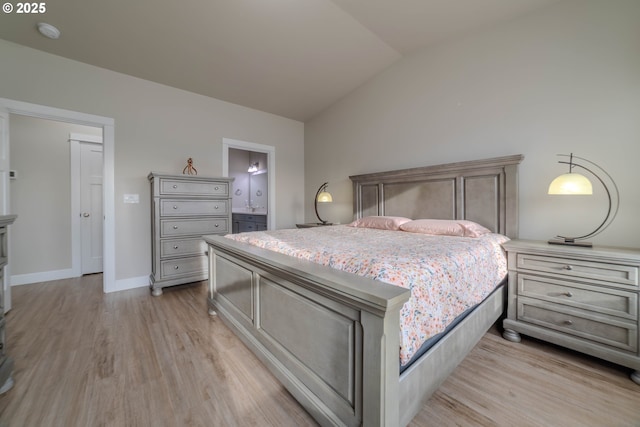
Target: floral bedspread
column 446, row 275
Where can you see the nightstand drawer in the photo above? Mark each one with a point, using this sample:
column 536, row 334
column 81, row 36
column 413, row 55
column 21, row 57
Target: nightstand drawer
column 590, row 270
column 612, row 332
column 193, row 207
column 614, row 302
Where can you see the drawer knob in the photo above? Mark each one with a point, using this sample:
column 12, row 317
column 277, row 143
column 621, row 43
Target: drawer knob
column 175, row 267
column 175, row 227
column 217, row 188
column 175, row 246
column 216, row 207
column 568, row 294
column 175, row 207
column 568, row 267
column 217, row 225
column 568, row 322
column 175, row 186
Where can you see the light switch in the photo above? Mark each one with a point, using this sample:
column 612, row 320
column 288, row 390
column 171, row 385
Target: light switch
column 132, row 198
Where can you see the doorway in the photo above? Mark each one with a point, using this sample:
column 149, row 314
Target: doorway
column 8, row 106
column 86, row 203
column 259, row 151
column 54, row 178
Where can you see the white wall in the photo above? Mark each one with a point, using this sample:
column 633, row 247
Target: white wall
column 41, row 194
column 156, row 128
column 564, row 79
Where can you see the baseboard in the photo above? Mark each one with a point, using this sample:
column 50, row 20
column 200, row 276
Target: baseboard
column 46, row 276
column 130, row 283
column 43, row 276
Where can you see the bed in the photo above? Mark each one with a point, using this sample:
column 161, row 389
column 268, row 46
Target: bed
column 332, row 337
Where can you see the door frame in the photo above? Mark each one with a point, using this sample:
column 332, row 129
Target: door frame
column 108, row 190
column 271, row 178
column 75, row 141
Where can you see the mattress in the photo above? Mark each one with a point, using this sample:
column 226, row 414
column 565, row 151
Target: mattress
column 447, row 275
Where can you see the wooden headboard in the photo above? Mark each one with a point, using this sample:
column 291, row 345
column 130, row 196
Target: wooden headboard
column 483, row 191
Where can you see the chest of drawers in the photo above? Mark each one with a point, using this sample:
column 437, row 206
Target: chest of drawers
column 585, row 299
column 6, row 363
column 184, row 208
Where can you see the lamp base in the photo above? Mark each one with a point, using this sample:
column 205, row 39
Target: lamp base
column 570, row 242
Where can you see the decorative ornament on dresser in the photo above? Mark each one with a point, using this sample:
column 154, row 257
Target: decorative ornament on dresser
column 190, row 169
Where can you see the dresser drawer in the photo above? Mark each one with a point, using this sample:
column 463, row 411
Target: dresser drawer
column 599, row 299
column 619, row 274
column 181, row 247
column 612, row 332
column 199, row 227
column 169, row 207
column 183, row 266
column 193, row 188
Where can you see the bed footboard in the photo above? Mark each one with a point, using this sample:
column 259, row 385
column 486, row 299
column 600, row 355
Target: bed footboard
column 330, row 337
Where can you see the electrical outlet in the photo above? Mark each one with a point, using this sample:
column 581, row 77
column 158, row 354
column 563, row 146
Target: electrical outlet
column 132, row 198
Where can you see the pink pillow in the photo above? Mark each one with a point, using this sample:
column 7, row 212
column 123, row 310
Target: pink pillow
column 445, row 227
column 473, row 229
column 381, row 222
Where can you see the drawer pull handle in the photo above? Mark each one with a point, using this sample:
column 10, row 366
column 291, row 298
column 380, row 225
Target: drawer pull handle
column 175, row 227
column 568, row 322
column 175, row 186
column 217, row 188
column 568, row 294
column 175, row 247
column 216, row 207
column 217, row 225
column 568, row 267
column 175, row 267
column 175, row 207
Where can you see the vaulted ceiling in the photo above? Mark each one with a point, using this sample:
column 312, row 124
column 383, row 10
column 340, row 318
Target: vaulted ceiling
column 287, row 57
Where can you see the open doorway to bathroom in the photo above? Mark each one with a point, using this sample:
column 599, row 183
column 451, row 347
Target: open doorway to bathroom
column 250, row 201
column 253, row 167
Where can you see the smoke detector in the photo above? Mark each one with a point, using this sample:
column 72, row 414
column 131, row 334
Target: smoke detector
column 48, row 30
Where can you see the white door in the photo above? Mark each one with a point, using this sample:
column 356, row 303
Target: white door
column 4, row 195
column 91, row 215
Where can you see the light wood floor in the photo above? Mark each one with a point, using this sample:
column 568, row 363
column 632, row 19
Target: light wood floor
column 128, row 359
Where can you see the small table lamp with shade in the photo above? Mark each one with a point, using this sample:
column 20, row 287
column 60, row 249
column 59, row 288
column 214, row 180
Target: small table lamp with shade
column 322, row 196
column 574, row 183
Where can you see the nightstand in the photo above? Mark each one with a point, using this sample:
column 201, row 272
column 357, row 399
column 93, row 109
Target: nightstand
column 312, row 224
column 585, row 299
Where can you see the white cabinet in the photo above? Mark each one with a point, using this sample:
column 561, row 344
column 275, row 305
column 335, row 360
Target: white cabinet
column 6, row 363
column 184, row 208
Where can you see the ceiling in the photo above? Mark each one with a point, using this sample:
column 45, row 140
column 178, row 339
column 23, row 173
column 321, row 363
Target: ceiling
column 287, row 57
